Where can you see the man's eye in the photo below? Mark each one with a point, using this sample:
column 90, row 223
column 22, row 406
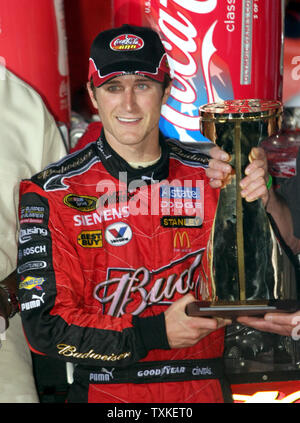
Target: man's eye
column 113, row 88
column 142, row 86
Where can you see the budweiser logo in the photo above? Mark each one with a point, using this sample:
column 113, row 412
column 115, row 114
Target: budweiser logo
column 143, row 287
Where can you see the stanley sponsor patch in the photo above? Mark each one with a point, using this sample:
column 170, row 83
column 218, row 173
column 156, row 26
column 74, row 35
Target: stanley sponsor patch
column 181, row 221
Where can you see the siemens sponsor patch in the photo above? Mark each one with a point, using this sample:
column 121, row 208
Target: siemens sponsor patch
column 90, row 239
column 178, row 192
column 181, row 222
column 25, row 235
column 103, row 216
column 31, row 282
column 31, row 265
column 84, row 203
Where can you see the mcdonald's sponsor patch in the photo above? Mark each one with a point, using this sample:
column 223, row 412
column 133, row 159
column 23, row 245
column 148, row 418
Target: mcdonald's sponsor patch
column 182, row 241
column 181, row 221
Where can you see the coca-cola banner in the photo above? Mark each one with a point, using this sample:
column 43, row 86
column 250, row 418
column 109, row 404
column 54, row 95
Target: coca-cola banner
column 33, row 47
column 218, row 50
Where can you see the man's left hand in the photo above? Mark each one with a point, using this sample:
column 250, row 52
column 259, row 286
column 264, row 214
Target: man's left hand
column 253, row 185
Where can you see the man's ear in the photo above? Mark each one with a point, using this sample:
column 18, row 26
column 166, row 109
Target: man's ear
column 167, row 93
column 92, row 95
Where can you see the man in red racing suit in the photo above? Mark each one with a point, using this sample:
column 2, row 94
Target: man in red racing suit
column 109, row 256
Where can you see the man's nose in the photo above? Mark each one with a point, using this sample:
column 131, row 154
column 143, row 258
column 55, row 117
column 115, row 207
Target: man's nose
column 129, row 100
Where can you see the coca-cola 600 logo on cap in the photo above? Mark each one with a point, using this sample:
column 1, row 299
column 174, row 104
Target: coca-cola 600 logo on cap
column 127, row 42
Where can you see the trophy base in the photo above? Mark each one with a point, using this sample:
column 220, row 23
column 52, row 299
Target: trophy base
column 232, row 309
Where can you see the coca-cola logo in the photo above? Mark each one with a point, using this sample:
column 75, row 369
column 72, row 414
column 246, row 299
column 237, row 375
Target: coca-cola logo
column 127, row 42
column 184, row 50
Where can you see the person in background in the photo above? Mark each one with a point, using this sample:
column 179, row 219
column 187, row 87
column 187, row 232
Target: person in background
column 282, row 204
column 30, row 140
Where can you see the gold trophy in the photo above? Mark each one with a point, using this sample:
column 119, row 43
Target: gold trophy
column 249, row 271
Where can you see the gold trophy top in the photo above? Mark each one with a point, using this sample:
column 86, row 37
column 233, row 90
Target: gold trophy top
column 240, row 109
column 234, row 111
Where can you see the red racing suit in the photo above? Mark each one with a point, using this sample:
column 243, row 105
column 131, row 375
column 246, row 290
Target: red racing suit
column 104, row 249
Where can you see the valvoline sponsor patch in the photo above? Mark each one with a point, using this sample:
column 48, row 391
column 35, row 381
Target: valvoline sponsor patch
column 127, row 42
column 84, row 203
column 31, row 282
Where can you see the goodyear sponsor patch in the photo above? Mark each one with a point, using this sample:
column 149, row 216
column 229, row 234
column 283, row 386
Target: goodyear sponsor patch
column 31, row 282
column 181, row 221
column 90, row 239
column 84, row 203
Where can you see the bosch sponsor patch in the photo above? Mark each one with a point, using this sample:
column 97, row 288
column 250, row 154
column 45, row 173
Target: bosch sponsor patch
column 84, row 203
column 181, row 221
column 179, row 192
column 32, row 282
column 34, row 249
column 118, row 234
column 127, row 42
column 90, row 239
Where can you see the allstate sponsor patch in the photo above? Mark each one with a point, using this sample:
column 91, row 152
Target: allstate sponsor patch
column 175, row 192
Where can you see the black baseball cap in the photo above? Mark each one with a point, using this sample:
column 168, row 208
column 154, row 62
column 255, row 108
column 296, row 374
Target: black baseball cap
column 125, row 50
